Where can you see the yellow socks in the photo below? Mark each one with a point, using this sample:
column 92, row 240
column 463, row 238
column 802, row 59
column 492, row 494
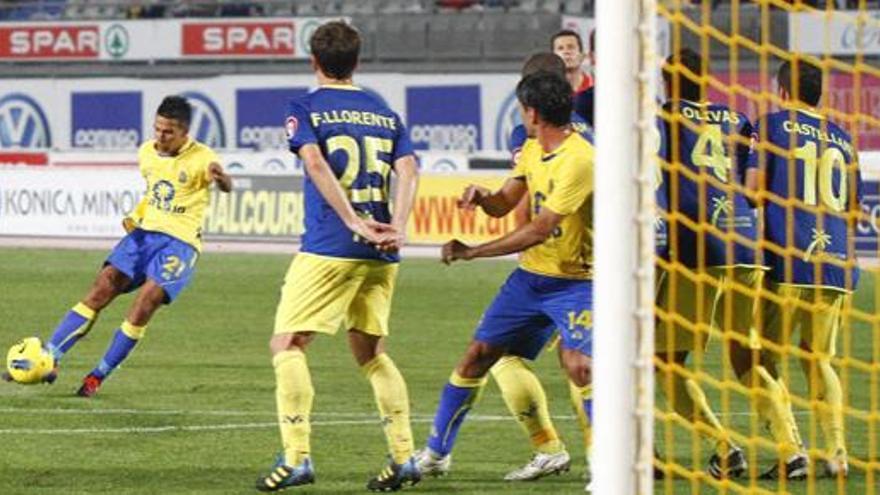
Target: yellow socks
column 294, row 395
column 393, row 401
column 527, row 402
column 775, row 407
column 578, row 396
column 830, row 408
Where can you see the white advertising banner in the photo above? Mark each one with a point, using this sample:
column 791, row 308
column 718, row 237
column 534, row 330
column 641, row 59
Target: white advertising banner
column 164, row 39
column 834, row 32
column 462, row 113
column 49, row 201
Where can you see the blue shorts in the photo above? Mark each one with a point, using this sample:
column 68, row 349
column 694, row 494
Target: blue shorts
column 530, row 307
column 143, row 255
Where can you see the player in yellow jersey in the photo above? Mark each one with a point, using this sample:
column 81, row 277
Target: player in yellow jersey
column 159, row 253
column 552, row 287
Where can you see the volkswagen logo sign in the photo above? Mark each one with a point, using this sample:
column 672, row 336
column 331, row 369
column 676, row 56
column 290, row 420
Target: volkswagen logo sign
column 23, row 123
column 508, row 118
column 207, row 124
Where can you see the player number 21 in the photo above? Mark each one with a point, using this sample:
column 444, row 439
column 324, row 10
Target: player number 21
column 823, row 167
column 372, row 146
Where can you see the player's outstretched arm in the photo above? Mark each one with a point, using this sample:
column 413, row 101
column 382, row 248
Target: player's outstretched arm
column 322, row 176
column 526, row 236
column 407, row 170
column 495, row 204
column 221, row 178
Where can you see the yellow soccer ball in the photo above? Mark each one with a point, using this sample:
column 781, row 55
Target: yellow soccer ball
column 27, row 362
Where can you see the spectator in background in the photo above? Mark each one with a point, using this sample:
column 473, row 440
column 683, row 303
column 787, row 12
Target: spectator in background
column 569, row 46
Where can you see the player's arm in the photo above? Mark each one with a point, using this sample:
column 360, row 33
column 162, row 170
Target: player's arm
column 522, row 213
column 219, row 177
column 495, row 204
column 407, row 170
column 524, row 237
column 321, row 174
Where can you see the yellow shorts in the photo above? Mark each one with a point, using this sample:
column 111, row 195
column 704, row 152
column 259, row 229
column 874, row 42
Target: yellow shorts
column 323, row 294
column 726, row 300
column 815, row 311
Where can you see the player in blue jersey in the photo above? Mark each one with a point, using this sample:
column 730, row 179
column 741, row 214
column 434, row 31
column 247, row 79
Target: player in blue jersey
column 344, row 275
column 713, row 277
column 551, row 289
column 805, row 171
column 158, row 255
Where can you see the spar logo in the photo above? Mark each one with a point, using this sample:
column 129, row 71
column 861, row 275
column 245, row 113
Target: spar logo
column 269, row 38
column 23, row 123
column 508, row 118
column 49, row 41
column 207, row 124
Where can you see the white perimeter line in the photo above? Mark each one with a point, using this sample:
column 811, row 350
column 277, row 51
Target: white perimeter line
column 221, row 412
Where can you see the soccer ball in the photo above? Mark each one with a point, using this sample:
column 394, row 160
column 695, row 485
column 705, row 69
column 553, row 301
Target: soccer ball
column 27, row 362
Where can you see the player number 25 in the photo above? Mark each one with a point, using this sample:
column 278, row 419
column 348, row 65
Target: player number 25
column 823, row 166
column 372, row 146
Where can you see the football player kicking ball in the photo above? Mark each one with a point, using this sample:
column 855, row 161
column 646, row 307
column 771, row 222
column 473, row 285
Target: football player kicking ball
column 159, row 253
column 344, row 275
column 552, row 288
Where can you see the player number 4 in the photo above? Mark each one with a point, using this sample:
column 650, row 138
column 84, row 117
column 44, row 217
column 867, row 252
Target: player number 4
column 709, row 152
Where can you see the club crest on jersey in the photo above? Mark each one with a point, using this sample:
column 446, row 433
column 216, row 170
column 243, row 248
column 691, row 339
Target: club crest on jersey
column 182, row 177
column 291, row 125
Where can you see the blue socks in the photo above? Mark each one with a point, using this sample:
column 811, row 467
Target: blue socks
column 124, row 340
column 74, row 326
column 457, row 398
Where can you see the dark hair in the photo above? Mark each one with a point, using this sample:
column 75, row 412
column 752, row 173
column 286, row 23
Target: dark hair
column 592, row 41
column 336, row 46
column 802, row 80
column 567, row 32
column 688, row 87
column 544, row 61
column 549, row 94
column 177, row 108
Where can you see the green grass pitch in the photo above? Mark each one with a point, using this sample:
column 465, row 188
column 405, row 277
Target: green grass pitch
column 192, row 411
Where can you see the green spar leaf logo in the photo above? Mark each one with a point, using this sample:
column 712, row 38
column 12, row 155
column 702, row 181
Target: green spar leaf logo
column 116, row 41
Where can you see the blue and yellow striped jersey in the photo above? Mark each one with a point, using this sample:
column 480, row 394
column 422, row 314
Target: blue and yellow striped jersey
column 361, row 139
column 811, row 170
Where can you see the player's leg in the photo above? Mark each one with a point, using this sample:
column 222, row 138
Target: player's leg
column 684, row 298
column 508, row 325
column 110, row 282
column 367, row 320
column 315, row 297
column 525, row 398
column 819, row 327
column 166, row 266
column 737, row 316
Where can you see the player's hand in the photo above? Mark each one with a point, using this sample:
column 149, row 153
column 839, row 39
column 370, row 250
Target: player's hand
column 373, row 232
column 393, row 242
column 472, row 196
column 455, row 250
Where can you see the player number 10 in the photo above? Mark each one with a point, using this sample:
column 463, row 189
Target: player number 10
column 823, row 167
column 372, row 146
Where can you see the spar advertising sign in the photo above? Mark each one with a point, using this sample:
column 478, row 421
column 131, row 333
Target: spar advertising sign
column 444, row 113
column 834, row 32
column 163, row 39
